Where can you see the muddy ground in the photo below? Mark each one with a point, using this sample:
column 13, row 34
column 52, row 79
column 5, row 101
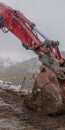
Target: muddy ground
column 14, row 115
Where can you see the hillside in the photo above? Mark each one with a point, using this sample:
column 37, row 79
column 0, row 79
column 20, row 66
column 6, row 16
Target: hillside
column 16, row 72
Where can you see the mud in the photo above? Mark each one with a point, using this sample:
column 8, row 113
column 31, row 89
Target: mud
column 14, row 115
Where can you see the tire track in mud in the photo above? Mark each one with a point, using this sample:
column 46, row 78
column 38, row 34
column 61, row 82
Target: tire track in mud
column 14, row 115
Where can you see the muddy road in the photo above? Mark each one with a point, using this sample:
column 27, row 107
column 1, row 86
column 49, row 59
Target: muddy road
column 14, row 115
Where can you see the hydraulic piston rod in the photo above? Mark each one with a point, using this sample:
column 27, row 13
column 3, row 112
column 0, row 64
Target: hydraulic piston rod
column 40, row 33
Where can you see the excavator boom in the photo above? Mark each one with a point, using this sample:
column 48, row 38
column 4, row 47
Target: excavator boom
column 49, row 86
column 24, row 29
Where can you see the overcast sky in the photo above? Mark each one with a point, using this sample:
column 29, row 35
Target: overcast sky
column 49, row 17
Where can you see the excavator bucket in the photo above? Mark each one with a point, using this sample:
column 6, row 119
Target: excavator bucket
column 46, row 96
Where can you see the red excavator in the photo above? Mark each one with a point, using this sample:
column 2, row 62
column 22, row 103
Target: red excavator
column 48, row 93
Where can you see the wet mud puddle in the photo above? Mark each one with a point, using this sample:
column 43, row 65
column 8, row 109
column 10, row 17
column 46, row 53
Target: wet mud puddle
column 14, row 115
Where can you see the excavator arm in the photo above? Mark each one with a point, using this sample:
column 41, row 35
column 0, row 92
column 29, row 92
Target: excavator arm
column 50, row 83
column 19, row 25
column 26, row 31
column 15, row 22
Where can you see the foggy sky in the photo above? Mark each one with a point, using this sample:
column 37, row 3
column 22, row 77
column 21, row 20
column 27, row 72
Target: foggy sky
column 49, row 17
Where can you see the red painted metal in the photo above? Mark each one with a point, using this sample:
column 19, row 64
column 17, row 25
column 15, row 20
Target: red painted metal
column 22, row 28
